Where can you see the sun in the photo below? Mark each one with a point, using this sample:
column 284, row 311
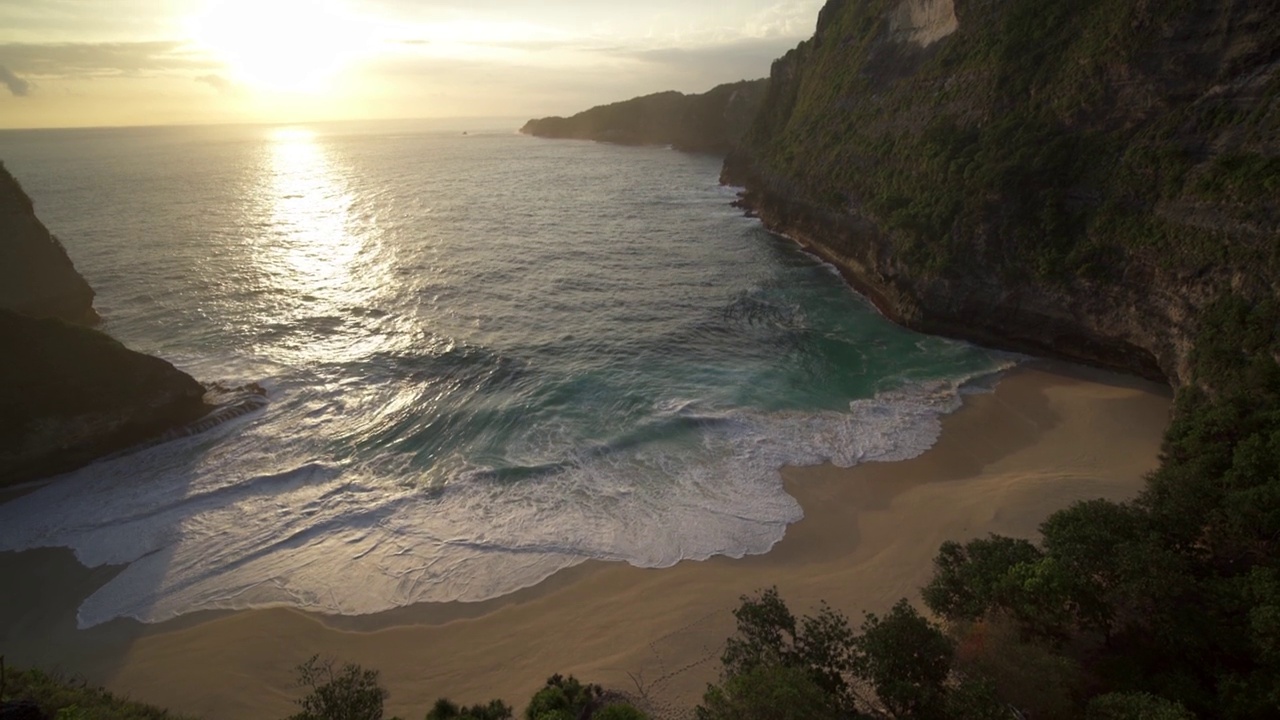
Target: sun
column 294, row 46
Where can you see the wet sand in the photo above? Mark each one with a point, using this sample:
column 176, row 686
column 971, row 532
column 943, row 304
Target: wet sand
column 1050, row 434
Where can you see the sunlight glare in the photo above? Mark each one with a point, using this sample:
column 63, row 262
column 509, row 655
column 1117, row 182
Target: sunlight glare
column 294, row 46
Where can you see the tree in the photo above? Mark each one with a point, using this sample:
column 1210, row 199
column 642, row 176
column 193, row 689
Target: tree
column 821, row 646
column 970, row 580
column 1023, row 672
column 619, row 711
column 564, row 698
column 1088, row 542
column 1135, row 706
column 446, row 710
column 768, row 692
column 907, row 660
column 350, row 693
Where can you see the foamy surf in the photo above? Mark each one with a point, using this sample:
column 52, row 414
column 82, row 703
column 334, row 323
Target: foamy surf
column 339, row 539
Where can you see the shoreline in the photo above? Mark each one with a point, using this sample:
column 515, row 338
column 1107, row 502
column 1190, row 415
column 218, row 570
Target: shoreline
column 1047, row 435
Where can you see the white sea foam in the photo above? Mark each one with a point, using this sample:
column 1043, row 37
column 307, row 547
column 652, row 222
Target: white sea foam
column 244, row 526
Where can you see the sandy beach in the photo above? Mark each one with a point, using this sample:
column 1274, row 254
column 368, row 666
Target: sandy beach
column 1047, row 436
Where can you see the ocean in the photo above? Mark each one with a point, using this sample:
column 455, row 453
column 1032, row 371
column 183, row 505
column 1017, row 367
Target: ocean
column 488, row 357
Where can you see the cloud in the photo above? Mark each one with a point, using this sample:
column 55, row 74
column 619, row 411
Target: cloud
column 16, row 85
column 219, row 83
column 711, row 64
column 102, row 59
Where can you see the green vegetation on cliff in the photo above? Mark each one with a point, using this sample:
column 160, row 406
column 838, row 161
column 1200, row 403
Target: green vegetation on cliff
column 711, row 122
column 1050, row 139
column 1097, row 179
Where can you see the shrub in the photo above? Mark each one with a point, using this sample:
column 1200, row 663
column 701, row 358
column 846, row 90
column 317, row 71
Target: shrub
column 446, row 710
column 768, row 692
column 1135, row 706
column 564, row 698
column 349, row 693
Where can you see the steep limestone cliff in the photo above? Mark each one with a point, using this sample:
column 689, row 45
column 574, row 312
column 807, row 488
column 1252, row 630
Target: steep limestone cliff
column 36, row 276
column 68, row 394
column 712, row 122
column 1079, row 179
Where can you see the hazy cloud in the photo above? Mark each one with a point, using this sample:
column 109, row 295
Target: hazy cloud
column 78, row 20
column 744, row 59
column 16, row 85
column 99, row 59
column 219, row 83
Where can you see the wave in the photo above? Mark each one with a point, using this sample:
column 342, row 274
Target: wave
column 352, row 538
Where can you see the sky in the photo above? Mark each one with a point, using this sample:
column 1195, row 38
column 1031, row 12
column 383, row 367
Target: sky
column 77, row 63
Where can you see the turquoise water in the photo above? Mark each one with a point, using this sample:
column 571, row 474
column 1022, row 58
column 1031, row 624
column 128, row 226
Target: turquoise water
column 488, row 357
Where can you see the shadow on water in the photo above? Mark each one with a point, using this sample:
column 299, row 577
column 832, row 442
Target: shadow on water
column 46, row 587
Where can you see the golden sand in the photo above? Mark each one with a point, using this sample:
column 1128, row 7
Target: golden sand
column 1047, row 436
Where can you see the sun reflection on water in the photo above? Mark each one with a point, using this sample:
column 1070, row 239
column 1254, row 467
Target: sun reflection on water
column 310, row 214
column 320, row 262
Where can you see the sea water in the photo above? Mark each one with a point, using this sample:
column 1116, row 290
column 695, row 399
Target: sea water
column 488, row 357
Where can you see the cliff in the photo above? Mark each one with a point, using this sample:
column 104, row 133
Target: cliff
column 68, row 394
column 1075, row 179
column 36, row 276
column 712, row 122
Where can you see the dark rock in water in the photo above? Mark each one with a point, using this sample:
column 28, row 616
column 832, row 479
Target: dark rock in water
column 21, row 710
column 69, row 395
column 36, row 276
column 711, row 122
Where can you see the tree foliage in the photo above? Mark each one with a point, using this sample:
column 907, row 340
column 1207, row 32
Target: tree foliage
column 1135, row 706
column 1176, row 595
column 779, row 667
column 444, row 709
column 906, row 660
column 347, row 693
column 820, row 646
column 768, row 692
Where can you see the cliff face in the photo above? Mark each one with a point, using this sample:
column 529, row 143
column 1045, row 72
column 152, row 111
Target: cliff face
column 712, row 122
column 1078, row 179
column 36, row 276
column 68, row 395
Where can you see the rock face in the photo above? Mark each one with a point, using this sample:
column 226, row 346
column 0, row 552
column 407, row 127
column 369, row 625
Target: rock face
column 68, row 394
column 1075, row 179
column 36, row 276
column 712, row 122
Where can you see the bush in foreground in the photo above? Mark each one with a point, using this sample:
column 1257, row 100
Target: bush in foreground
column 64, row 698
column 899, row 666
column 348, row 693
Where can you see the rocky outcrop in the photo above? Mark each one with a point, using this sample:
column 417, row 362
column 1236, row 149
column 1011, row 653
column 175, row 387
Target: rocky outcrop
column 1073, row 179
column 712, row 122
column 69, row 395
column 36, row 276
